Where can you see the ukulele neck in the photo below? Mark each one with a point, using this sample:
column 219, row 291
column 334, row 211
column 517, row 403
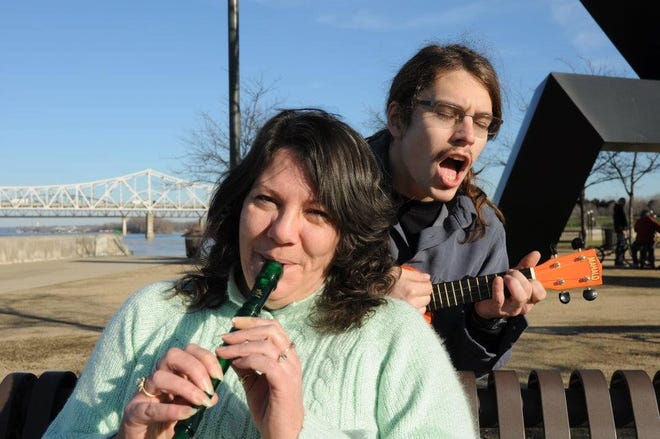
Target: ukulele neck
column 469, row 290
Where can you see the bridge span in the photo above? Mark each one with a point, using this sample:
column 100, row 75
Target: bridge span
column 147, row 193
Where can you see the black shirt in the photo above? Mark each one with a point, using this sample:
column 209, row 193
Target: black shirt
column 415, row 216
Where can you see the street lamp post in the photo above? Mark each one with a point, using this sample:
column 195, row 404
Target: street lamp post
column 234, row 85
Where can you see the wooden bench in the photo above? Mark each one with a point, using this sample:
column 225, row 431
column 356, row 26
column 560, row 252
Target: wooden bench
column 589, row 407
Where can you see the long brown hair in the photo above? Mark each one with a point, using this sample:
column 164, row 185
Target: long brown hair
column 419, row 72
column 346, row 179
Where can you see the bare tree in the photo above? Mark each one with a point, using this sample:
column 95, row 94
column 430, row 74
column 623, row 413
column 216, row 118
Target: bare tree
column 596, row 176
column 207, row 157
column 628, row 168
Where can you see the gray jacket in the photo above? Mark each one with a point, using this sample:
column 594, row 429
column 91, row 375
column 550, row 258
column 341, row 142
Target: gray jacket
column 443, row 253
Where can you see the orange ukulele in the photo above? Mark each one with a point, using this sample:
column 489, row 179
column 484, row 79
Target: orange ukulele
column 577, row 270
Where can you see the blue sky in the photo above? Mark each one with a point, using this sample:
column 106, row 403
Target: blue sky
column 92, row 90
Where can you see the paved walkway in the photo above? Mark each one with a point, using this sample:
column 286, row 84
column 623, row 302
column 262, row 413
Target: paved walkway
column 38, row 274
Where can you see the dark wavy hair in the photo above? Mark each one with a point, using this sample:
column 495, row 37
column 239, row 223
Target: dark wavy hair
column 419, row 73
column 347, row 182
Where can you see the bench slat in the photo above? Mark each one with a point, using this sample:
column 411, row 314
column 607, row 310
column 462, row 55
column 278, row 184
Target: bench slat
column 509, row 403
column 597, row 401
column 469, row 383
column 641, row 399
column 553, row 402
column 48, row 396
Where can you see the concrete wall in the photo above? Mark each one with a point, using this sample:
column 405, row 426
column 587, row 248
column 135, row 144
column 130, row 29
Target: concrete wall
column 15, row 249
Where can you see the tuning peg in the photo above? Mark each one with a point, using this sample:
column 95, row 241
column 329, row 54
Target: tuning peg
column 565, row 297
column 553, row 250
column 577, row 243
column 590, row 294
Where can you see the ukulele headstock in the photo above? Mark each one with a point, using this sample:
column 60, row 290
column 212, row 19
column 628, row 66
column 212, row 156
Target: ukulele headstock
column 581, row 269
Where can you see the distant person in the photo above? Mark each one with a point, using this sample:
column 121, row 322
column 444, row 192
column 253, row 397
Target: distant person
column 363, row 365
column 645, row 228
column 443, row 106
column 620, row 220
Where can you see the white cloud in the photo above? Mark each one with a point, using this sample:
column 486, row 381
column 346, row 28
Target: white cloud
column 363, row 19
column 368, row 20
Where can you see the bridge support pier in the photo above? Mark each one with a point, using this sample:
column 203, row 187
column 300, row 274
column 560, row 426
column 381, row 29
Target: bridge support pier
column 124, row 226
column 149, row 229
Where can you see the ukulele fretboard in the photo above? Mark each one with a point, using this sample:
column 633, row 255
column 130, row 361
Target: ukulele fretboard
column 469, row 290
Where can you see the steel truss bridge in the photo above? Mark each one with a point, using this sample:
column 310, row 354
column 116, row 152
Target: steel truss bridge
column 146, row 193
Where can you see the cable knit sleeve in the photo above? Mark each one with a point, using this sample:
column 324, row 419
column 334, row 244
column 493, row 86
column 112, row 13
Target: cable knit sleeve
column 420, row 394
column 94, row 409
column 397, row 373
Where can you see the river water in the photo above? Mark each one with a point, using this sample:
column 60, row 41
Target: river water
column 161, row 245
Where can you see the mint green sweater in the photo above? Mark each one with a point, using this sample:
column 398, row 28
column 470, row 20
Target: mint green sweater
column 390, row 378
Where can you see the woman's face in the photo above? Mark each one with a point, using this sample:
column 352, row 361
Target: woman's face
column 282, row 220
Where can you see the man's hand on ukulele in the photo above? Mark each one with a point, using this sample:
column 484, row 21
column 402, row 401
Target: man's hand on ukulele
column 522, row 295
column 413, row 286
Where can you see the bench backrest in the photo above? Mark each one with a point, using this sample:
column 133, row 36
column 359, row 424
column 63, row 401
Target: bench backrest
column 503, row 407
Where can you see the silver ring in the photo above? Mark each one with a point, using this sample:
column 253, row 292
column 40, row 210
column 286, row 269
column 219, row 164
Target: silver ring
column 283, row 356
column 142, row 388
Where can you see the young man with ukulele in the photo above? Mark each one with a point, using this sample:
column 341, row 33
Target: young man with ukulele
column 443, row 106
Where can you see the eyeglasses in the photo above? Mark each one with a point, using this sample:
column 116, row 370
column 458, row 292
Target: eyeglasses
column 449, row 116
